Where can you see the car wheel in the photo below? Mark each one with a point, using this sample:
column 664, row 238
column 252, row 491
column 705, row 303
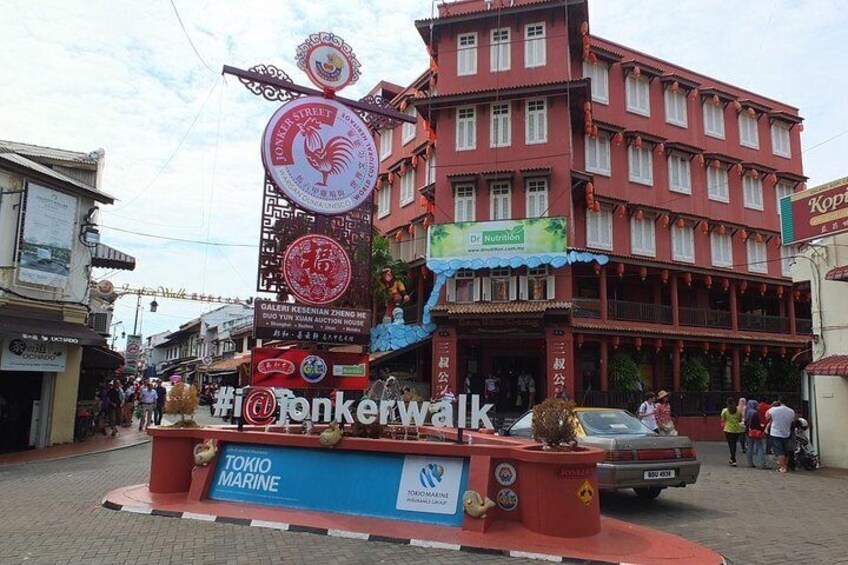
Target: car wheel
column 648, row 493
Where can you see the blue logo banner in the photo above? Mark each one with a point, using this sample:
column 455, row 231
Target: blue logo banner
column 382, row 485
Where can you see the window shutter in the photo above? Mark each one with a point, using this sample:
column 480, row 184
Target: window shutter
column 487, row 288
column 451, row 290
column 522, row 287
column 542, row 133
column 550, row 281
column 513, row 288
column 475, row 290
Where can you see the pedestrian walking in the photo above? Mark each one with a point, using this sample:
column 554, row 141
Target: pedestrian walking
column 161, row 396
column 129, row 405
column 756, row 436
column 662, row 414
column 779, row 427
column 491, row 389
column 113, row 402
column 147, row 398
column 731, row 419
column 526, row 386
column 743, row 439
column 647, row 411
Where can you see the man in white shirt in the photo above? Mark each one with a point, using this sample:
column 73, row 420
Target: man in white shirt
column 525, row 386
column 780, row 418
column 147, row 398
column 646, row 412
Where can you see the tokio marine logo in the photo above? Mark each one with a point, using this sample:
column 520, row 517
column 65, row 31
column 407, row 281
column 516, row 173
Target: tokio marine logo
column 321, row 155
column 431, row 475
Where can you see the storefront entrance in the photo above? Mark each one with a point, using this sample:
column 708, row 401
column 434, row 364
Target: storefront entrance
column 509, row 370
column 20, row 395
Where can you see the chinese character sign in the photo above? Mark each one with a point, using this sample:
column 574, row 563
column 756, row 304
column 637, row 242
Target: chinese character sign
column 560, row 372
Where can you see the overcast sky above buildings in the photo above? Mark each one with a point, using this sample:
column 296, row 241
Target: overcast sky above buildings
column 182, row 143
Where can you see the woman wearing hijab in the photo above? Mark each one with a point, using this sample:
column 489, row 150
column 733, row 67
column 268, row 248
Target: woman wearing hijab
column 756, row 436
column 731, row 418
column 740, row 407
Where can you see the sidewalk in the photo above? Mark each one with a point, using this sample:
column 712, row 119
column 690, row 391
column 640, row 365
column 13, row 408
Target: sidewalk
column 127, row 437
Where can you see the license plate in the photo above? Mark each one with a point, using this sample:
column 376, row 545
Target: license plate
column 664, row 474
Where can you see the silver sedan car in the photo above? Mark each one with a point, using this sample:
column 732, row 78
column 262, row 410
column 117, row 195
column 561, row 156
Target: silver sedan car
column 636, row 457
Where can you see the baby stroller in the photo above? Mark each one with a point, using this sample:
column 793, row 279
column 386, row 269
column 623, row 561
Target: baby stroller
column 805, row 455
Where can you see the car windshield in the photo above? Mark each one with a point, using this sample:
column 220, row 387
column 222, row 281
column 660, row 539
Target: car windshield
column 610, row 422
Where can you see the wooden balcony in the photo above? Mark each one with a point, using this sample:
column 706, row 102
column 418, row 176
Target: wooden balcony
column 761, row 323
column 803, row 326
column 705, row 318
column 638, row 312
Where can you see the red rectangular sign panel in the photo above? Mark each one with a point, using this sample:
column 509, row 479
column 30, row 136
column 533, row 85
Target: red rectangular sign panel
column 818, row 212
column 300, row 368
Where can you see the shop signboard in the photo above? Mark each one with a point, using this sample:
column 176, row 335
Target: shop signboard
column 299, row 368
column 413, row 488
column 47, row 238
column 316, row 324
column 31, row 355
column 498, row 239
column 818, row 212
column 133, row 350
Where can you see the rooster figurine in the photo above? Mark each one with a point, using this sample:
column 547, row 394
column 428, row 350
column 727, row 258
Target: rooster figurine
column 328, row 159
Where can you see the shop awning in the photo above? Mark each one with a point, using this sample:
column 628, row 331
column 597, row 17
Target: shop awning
column 37, row 326
column 101, row 357
column 836, row 365
column 110, row 258
column 837, row 274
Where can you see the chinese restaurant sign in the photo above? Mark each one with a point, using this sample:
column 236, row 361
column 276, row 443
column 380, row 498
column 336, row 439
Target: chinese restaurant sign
column 299, row 368
column 498, row 239
column 298, row 322
column 814, row 213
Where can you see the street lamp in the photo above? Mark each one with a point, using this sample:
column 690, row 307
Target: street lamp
column 154, row 306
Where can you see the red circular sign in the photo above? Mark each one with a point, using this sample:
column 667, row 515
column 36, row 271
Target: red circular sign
column 328, row 61
column 317, row 269
column 260, row 407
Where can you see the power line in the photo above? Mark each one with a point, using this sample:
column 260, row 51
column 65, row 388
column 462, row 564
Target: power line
column 183, row 240
column 190, row 42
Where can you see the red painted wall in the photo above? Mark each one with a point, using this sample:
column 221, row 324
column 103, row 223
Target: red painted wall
column 700, row 428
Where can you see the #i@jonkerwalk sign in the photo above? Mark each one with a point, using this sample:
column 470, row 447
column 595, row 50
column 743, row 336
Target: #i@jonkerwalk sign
column 498, row 239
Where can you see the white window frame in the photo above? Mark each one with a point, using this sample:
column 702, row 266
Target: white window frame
column 679, row 174
column 535, row 51
column 717, row 184
column 645, row 173
column 409, row 128
column 674, row 113
column 599, row 75
column 503, row 276
column 781, row 189
column 539, row 118
column 599, row 229
column 386, row 138
column 542, row 274
column 781, row 144
column 757, row 256
column 749, row 132
column 537, row 197
column 430, row 171
column 407, row 187
column 499, row 57
column 465, row 203
column 724, row 244
column 714, row 116
column 638, row 91
column 643, row 236
column 384, row 201
column 452, row 284
column 500, row 200
column 787, row 255
column 683, row 243
column 466, row 54
column 500, row 125
column 752, row 192
column 468, row 141
column 598, row 150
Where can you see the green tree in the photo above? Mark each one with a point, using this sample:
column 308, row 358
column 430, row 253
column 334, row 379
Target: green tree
column 694, row 375
column 783, row 376
column 754, row 376
column 624, row 372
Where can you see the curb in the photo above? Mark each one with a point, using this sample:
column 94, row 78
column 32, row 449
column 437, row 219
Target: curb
column 351, row 535
column 75, row 455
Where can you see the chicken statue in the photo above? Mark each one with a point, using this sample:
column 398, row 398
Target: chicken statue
column 204, row 453
column 332, row 435
column 327, row 158
column 474, row 504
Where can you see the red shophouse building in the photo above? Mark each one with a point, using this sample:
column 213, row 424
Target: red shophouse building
column 673, row 175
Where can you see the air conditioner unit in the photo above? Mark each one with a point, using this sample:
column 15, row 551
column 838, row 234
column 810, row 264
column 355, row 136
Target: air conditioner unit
column 99, row 322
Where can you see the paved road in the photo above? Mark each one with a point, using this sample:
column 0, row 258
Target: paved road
column 50, row 513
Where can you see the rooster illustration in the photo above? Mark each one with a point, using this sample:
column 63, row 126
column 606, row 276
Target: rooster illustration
column 328, row 159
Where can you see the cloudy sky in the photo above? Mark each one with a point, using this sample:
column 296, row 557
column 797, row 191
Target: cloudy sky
column 182, row 143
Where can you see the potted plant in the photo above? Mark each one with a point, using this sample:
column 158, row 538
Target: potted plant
column 554, row 424
column 182, row 400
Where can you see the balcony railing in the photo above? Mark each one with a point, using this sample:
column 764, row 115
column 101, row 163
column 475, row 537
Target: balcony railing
column 638, row 312
column 803, row 325
column 682, row 403
column 704, row 317
column 586, row 308
column 760, row 323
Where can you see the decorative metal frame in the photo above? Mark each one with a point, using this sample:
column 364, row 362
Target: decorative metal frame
column 265, row 90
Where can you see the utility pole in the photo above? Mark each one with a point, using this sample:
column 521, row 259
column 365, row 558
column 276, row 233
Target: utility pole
column 137, row 308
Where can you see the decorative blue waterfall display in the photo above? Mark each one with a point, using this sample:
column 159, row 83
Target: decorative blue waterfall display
column 391, row 337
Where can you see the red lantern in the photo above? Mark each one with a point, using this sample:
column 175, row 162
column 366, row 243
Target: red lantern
column 738, row 168
column 783, row 351
column 680, row 223
column 639, row 215
column 779, row 291
column 399, row 235
column 428, row 152
column 705, row 347
column 638, row 343
column 665, row 220
column 622, row 211
column 716, row 100
column 675, row 86
column 422, row 201
column 590, row 200
column 715, row 164
column 594, row 131
column 758, row 238
column 796, row 295
column 660, row 149
column 708, row 281
column 637, row 142
column 597, row 207
column 737, row 105
column 643, row 273
column 620, row 270
column 637, row 72
column 755, row 174
column 687, row 278
column 721, row 229
column 404, row 168
column 597, row 268
column 616, row 341
column 764, row 350
column 743, row 234
column 391, row 178
column 618, row 138
column 752, row 113
column 415, row 161
column 411, row 230
column 722, row 347
column 705, row 228
column 776, row 242
column 427, row 222
column 664, row 276
column 725, row 284
column 579, row 341
column 700, row 159
column 747, row 350
column 743, row 287
column 763, row 289
column 590, row 188
column 679, row 344
column 772, row 178
column 587, row 107
column 658, row 344
column 584, row 27
column 380, row 181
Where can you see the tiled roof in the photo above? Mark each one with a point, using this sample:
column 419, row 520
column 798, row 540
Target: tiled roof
column 37, row 151
column 507, row 93
column 231, row 364
column 837, row 274
column 30, row 165
column 836, row 365
column 616, row 326
column 490, row 308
